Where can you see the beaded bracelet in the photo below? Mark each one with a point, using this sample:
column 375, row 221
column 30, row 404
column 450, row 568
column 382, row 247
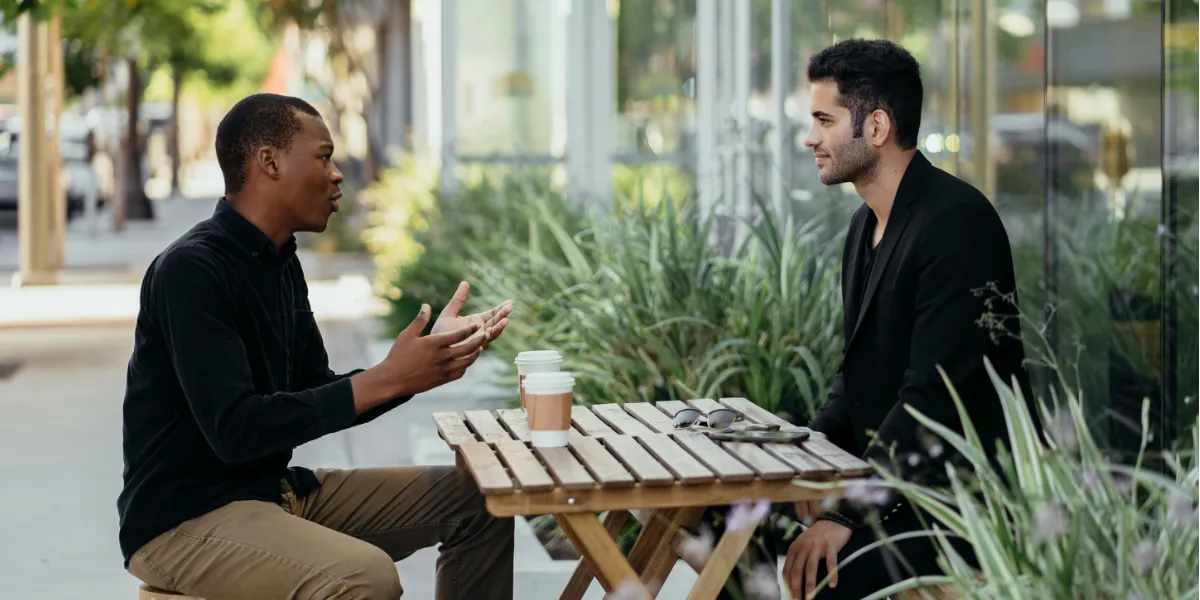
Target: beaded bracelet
column 838, row 518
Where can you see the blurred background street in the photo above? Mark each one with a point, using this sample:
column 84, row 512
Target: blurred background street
column 632, row 172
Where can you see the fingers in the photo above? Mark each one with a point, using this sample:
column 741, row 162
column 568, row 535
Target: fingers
column 812, row 560
column 495, row 332
column 450, row 338
column 417, row 325
column 492, row 317
column 457, row 301
column 473, row 343
column 796, row 577
column 831, row 565
column 789, row 564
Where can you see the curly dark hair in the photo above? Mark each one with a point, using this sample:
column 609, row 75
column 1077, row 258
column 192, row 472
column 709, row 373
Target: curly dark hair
column 256, row 121
column 871, row 75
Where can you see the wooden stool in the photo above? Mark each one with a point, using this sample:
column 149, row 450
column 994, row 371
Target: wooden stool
column 148, row 592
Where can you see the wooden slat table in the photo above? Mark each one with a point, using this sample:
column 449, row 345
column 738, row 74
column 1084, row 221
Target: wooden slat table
column 622, row 457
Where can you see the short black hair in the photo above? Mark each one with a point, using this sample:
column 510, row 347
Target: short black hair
column 256, row 121
column 872, row 75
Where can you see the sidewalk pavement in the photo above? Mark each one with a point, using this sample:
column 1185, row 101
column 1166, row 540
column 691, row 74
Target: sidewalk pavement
column 104, row 269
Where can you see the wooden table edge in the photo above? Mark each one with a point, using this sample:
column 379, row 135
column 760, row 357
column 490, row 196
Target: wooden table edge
column 598, row 499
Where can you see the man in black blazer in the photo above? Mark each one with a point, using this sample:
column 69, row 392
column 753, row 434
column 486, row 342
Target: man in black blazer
column 919, row 255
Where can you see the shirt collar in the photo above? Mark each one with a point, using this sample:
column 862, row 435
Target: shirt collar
column 250, row 237
column 910, row 183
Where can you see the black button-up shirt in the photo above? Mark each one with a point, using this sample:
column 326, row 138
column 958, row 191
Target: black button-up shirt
column 229, row 373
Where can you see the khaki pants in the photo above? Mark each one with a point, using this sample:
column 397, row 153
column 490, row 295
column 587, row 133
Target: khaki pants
column 340, row 541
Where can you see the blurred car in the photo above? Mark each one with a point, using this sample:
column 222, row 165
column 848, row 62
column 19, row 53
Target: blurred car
column 78, row 178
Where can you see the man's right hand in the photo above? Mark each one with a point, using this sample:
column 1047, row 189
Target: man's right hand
column 417, row 364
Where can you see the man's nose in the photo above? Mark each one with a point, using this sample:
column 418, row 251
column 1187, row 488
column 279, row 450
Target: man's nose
column 812, row 140
column 336, row 177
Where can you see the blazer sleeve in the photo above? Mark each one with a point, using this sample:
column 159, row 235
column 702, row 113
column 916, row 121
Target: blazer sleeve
column 961, row 251
column 833, row 418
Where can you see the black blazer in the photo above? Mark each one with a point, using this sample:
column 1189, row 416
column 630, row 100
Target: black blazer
column 920, row 308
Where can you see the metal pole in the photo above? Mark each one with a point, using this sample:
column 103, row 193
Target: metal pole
column 707, row 119
column 58, row 214
column 781, row 88
column 601, row 101
column 32, row 195
column 449, row 179
column 743, row 180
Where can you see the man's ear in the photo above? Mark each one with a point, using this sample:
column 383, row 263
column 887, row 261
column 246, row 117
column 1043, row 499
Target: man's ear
column 877, row 128
column 266, row 160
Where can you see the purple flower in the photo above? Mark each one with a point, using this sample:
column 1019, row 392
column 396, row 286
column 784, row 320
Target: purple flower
column 762, row 584
column 866, row 495
column 628, row 590
column 936, row 450
column 694, row 550
column 745, row 516
column 1049, row 522
column 1089, row 477
column 1181, row 511
column 1062, row 430
column 1144, row 556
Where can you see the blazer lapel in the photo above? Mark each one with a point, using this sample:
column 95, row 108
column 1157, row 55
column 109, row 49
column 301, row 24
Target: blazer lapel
column 853, row 272
column 908, row 191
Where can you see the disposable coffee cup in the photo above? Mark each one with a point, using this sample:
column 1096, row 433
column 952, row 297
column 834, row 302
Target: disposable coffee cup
column 535, row 361
column 549, row 397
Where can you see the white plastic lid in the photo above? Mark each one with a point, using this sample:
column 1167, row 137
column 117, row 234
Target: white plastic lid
column 538, row 356
column 549, row 383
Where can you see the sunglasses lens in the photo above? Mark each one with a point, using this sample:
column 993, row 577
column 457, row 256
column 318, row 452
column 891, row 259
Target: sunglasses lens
column 721, row 419
column 686, row 418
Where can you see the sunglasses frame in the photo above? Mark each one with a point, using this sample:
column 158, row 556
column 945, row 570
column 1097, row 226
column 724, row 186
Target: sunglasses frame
column 695, row 421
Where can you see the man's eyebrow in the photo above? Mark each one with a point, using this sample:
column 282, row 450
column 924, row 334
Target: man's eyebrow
column 821, row 114
column 326, row 145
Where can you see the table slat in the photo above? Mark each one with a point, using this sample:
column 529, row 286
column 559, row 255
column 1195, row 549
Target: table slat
column 670, row 407
column 650, row 416
column 677, row 460
column 525, row 466
column 767, row 466
column 725, row 465
column 565, row 468
column 453, row 429
column 588, row 423
column 806, row 465
column 635, row 457
column 485, row 424
column 608, row 471
column 757, row 414
column 704, row 405
column 616, row 417
column 485, row 467
column 847, row 464
column 516, row 422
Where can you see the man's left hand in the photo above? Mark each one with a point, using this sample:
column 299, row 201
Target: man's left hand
column 492, row 322
column 824, row 539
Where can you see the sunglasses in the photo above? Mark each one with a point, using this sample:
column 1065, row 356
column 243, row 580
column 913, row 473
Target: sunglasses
column 721, row 419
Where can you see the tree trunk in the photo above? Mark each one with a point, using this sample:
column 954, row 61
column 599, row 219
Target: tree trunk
column 173, row 142
column 137, row 205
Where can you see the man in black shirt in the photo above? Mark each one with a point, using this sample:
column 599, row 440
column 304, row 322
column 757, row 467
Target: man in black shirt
column 229, row 374
column 920, row 255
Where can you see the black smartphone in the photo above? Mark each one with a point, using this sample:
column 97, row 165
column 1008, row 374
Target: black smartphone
column 761, row 437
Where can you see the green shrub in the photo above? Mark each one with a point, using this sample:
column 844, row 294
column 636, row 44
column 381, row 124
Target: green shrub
column 1061, row 520
column 645, row 308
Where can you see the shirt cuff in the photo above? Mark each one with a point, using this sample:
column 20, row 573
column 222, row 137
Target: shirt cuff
column 336, row 406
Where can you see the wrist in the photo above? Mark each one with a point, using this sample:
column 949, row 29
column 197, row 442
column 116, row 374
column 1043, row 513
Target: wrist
column 373, row 387
column 839, row 518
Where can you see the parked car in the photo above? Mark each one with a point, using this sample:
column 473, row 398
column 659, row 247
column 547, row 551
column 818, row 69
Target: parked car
column 78, row 177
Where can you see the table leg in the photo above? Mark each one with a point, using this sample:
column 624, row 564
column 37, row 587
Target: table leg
column 581, row 579
column 653, row 555
column 593, row 542
column 720, row 564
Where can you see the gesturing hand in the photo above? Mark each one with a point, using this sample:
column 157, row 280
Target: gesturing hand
column 491, row 322
column 824, row 539
column 417, row 364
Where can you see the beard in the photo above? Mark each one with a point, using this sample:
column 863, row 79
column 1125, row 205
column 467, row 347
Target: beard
column 849, row 162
